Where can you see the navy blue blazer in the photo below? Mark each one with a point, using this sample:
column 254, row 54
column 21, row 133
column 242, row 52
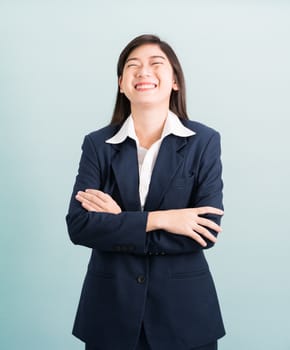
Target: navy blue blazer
column 158, row 278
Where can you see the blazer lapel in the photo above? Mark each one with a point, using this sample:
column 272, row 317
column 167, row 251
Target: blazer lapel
column 125, row 167
column 167, row 163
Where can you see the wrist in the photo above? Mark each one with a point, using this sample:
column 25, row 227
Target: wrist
column 155, row 220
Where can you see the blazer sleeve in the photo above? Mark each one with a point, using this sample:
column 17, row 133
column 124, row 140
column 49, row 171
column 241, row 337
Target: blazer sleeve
column 207, row 192
column 124, row 232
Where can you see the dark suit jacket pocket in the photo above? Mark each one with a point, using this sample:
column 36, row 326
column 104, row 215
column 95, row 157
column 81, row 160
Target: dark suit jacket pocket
column 179, row 193
column 179, row 183
column 190, row 274
column 185, row 181
column 100, row 274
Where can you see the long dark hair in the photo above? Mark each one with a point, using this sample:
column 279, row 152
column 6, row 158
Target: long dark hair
column 177, row 101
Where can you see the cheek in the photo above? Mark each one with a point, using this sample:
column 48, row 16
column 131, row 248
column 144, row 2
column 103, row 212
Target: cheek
column 168, row 84
column 123, row 83
column 167, row 77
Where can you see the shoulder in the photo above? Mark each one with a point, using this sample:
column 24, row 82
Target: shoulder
column 95, row 141
column 206, row 141
column 100, row 136
column 205, row 137
column 201, row 130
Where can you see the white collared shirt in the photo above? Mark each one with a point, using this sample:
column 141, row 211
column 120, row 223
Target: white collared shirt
column 147, row 157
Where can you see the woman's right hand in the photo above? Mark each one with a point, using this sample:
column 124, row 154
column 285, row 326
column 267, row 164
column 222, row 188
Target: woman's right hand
column 186, row 222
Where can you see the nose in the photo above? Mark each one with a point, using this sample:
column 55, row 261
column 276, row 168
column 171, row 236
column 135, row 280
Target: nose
column 144, row 71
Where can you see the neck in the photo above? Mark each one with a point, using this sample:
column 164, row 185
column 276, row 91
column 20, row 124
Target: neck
column 149, row 123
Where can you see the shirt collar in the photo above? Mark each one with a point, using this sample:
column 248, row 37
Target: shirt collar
column 172, row 126
column 127, row 130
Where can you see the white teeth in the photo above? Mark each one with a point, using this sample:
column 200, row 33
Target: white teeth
column 145, row 86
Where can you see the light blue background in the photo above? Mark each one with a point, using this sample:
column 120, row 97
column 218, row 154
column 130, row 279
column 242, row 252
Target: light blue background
column 58, row 82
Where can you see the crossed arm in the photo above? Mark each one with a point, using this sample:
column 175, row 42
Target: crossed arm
column 186, row 222
column 96, row 220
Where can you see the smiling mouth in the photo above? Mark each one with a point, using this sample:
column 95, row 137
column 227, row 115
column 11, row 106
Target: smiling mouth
column 145, row 86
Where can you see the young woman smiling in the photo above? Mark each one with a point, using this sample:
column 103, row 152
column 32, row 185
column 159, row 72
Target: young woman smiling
column 148, row 201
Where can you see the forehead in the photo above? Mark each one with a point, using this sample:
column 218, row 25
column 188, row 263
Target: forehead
column 147, row 51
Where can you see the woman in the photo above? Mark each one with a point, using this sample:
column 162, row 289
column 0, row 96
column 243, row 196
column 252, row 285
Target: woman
column 147, row 201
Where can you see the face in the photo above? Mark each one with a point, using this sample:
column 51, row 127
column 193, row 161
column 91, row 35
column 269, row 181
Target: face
column 147, row 77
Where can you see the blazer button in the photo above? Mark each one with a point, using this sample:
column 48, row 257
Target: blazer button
column 141, row 279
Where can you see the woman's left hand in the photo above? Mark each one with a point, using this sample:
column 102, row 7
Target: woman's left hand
column 98, row 201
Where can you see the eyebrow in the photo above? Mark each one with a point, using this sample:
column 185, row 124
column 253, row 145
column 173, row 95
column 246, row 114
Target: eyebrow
column 137, row 59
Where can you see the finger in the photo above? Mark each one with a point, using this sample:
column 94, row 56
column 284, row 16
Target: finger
column 194, row 235
column 105, row 201
column 205, row 233
column 102, row 195
column 81, row 196
column 208, row 210
column 209, row 223
column 89, row 207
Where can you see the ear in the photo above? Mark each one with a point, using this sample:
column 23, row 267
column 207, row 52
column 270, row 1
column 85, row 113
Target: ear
column 175, row 86
column 120, row 84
